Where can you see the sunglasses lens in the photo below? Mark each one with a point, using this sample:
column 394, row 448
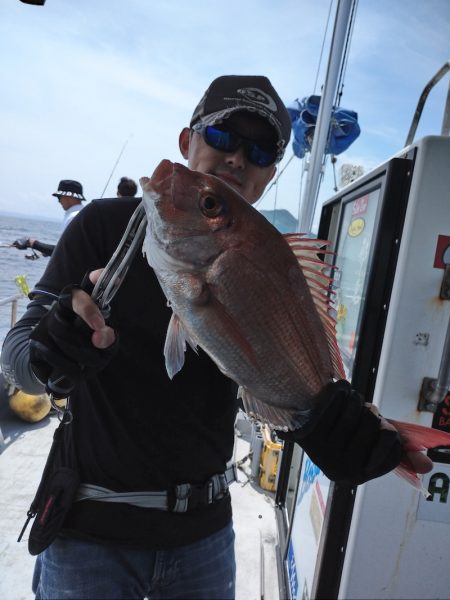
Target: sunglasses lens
column 228, row 141
column 260, row 156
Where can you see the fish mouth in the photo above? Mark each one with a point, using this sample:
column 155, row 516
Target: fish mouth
column 163, row 171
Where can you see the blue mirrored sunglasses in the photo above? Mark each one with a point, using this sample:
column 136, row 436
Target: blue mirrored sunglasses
column 225, row 140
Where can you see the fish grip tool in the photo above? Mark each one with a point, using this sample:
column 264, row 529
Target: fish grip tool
column 114, row 273
column 105, row 289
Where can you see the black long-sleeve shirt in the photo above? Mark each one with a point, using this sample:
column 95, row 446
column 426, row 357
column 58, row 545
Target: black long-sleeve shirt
column 45, row 249
column 134, row 429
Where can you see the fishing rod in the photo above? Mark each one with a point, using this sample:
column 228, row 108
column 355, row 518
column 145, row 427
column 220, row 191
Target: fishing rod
column 116, row 163
column 33, row 256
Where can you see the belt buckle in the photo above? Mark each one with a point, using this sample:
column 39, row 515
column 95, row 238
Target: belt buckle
column 181, row 497
column 200, row 495
column 188, row 496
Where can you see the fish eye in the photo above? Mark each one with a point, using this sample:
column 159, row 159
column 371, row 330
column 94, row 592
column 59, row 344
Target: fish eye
column 211, row 206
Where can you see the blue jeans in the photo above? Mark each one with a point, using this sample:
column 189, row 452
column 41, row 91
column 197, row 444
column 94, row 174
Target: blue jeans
column 75, row 569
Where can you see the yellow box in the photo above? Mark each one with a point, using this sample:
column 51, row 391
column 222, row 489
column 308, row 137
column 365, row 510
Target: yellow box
column 270, row 455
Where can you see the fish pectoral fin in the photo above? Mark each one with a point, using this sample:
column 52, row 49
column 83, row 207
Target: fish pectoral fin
column 275, row 416
column 175, row 346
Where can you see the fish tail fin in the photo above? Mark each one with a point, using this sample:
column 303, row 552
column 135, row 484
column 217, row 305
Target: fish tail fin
column 307, row 251
column 416, row 438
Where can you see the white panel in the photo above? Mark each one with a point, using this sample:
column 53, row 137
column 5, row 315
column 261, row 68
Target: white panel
column 391, row 553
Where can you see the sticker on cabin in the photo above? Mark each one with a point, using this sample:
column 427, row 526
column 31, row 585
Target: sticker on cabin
column 442, row 256
column 292, row 571
column 360, row 205
column 341, row 312
column 441, row 416
column 441, row 421
column 437, row 506
column 356, row 227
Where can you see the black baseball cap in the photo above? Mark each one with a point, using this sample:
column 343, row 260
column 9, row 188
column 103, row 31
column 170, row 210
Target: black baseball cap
column 254, row 93
column 69, row 187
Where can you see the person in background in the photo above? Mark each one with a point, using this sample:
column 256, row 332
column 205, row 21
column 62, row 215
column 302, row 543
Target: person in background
column 70, row 196
column 151, row 515
column 126, row 187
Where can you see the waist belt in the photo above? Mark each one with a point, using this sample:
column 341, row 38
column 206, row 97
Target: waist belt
column 182, row 498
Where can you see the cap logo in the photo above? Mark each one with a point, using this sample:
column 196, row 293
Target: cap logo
column 257, row 96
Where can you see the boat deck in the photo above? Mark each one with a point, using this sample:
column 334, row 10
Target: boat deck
column 21, row 462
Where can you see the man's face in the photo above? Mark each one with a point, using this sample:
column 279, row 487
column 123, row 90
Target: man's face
column 67, row 201
column 232, row 167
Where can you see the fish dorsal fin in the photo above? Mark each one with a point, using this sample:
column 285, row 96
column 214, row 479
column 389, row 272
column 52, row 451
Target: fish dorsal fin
column 314, row 269
column 175, row 346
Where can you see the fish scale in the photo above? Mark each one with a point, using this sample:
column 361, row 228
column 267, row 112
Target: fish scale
column 276, row 334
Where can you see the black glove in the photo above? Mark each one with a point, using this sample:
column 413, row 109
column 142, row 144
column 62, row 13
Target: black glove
column 344, row 439
column 21, row 243
column 61, row 350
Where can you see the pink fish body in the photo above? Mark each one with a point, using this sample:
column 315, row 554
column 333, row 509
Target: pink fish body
column 236, row 290
column 257, row 302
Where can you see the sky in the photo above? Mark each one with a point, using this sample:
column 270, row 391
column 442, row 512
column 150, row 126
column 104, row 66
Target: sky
column 88, row 83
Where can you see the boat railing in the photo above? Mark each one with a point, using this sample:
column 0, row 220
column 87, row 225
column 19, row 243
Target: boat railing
column 446, row 120
column 13, row 300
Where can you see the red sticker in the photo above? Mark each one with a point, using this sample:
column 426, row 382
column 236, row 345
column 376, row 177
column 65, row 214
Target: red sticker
column 442, row 256
column 360, row 205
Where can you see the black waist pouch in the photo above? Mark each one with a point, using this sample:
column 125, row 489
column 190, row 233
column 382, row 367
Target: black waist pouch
column 56, row 491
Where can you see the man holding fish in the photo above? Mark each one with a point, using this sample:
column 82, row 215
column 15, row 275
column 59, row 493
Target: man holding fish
column 141, row 506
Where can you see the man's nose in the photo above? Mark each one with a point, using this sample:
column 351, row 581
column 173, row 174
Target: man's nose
column 236, row 159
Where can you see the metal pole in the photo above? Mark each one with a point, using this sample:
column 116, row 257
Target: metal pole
column 441, row 386
column 323, row 118
column 446, row 120
column 13, row 312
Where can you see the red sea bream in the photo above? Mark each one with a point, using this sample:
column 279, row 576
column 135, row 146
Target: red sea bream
column 256, row 301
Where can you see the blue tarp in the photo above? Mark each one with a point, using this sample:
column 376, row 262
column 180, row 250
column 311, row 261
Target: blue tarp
column 303, row 113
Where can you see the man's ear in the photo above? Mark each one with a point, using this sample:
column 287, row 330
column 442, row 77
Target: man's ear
column 184, row 142
column 273, row 173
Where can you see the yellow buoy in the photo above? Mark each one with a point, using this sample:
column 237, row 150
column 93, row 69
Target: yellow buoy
column 28, row 407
